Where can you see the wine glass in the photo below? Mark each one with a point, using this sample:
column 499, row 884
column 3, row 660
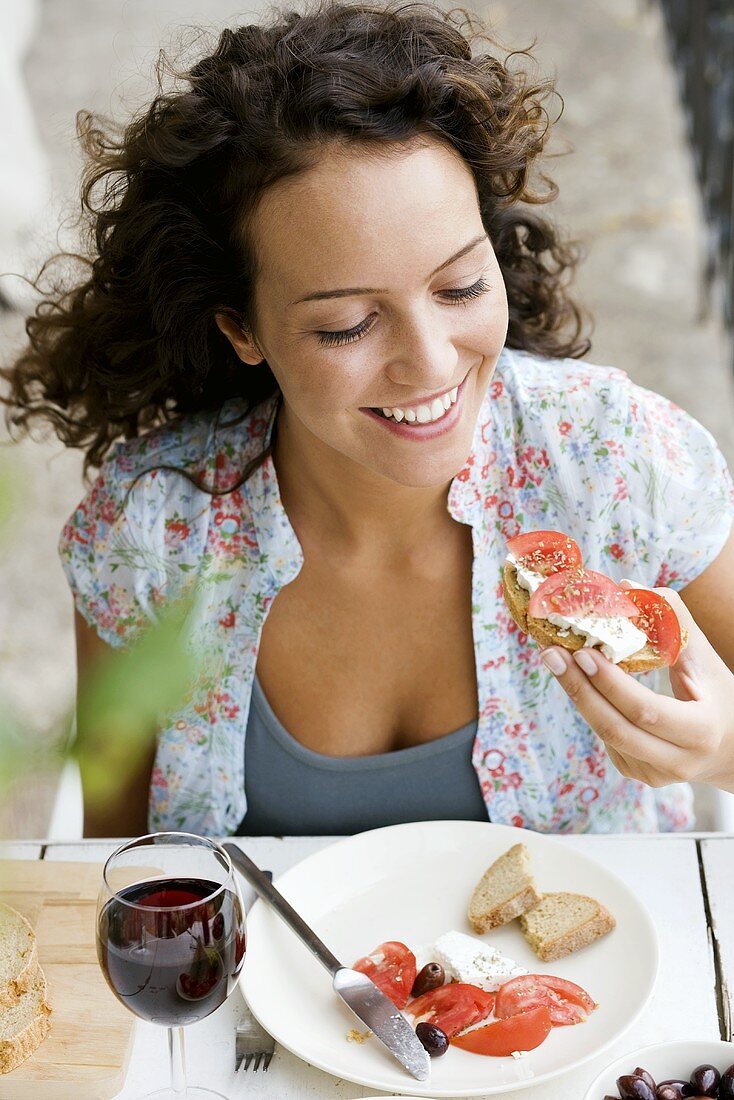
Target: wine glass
column 171, row 937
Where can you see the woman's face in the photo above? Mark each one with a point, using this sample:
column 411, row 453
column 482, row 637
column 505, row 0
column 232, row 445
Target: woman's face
column 379, row 291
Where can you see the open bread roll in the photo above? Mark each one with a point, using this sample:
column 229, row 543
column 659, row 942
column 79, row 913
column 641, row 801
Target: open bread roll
column 546, row 634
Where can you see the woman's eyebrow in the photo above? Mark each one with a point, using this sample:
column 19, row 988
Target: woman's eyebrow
column 350, row 290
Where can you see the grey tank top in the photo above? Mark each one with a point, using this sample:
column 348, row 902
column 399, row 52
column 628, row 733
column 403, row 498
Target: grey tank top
column 292, row 791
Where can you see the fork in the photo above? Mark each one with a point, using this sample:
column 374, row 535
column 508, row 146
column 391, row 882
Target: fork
column 253, row 1045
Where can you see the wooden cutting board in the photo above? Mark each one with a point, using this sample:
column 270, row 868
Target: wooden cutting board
column 88, row 1048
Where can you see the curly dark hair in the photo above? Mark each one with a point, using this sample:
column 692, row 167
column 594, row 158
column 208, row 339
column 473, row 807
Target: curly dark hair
column 166, row 203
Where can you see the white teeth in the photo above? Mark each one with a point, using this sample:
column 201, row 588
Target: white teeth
column 424, row 414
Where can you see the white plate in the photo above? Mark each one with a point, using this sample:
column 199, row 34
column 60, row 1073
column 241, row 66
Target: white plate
column 665, row 1061
column 412, row 883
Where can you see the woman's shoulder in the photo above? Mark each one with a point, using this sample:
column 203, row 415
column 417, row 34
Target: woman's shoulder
column 587, row 408
column 213, row 447
column 143, row 531
column 153, row 495
column 540, row 401
column 530, row 381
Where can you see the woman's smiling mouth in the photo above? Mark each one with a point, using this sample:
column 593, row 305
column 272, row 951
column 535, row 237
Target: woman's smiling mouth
column 425, row 420
column 425, row 413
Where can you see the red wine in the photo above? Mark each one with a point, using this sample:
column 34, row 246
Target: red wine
column 168, row 959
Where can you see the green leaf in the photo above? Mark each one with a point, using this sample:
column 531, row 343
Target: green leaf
column 129, row 698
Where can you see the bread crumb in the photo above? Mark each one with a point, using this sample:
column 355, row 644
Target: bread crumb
column 355, row 1036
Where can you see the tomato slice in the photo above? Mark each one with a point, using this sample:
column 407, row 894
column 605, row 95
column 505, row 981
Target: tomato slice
column 567, row 1002
column 545, row 551
column 658, row 620
column 391, row 966
column 526, row 1031
column 452, row 1007
column 576, row 592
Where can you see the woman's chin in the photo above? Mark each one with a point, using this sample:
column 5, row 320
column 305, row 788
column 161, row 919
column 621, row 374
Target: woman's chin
column 426, row 474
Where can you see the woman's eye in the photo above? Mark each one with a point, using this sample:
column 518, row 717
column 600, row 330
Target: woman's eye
column 458, row 297
column 332, row 339
column 465, row 294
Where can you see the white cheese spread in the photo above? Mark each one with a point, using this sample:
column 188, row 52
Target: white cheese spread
column 468, row 959
column 617, row 636
column 526, row 578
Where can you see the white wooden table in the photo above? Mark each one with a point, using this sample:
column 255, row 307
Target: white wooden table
column 686, row 881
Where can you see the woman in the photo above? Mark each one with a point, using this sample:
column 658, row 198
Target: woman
column 337, row 339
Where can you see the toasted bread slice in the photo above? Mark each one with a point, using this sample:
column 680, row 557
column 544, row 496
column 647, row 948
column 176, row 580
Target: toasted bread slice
column 562, row 923
column 546, row 634
column 24, row 1026
column 505, row 890
column 18, row 955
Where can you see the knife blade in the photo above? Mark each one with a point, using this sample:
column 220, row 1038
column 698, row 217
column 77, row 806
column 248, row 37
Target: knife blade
column 361, row 996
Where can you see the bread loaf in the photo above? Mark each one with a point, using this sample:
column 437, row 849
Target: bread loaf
column 562, row 923
column 24, row 1010
column 18, row 955
column 24, row 1026
column 506, row 890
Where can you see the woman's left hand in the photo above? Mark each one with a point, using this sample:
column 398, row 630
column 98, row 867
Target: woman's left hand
column 651, row 737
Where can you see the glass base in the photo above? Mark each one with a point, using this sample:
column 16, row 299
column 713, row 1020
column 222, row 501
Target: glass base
column 192, row 1093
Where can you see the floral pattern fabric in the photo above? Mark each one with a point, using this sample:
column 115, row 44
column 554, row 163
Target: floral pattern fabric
column 559, row 444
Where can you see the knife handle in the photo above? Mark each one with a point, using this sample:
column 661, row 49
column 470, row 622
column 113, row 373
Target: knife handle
column 264, row 887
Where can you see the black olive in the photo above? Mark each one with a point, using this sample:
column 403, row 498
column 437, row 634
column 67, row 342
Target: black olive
column 647, row 1077
column 685, row 1088
column 430, row 977
column 632, row 1087
column 705, row 1080
column 726, row 1084
column 676, row 1089
column 433, row 1039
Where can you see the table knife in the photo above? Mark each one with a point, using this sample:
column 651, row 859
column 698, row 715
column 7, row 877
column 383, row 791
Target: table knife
column 368, row 1003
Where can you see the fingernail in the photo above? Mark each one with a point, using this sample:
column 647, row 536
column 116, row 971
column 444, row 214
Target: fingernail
column 554, row 661
column 584, row 660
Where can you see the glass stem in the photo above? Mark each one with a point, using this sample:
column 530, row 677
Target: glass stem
column 177, row 1058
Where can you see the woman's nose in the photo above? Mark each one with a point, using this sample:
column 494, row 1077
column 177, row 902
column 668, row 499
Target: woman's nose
column 423, row 357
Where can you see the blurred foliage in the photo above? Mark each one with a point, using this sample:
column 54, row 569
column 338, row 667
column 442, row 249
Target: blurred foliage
column 20, row 751
column 127, row 698
column 123, row 702
column 17, row 747
column 8, row 494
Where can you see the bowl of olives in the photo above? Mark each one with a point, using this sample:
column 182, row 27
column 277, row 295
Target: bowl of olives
column 682, row 1070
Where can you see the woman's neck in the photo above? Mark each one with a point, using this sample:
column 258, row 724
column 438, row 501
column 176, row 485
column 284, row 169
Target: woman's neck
column 354, row 510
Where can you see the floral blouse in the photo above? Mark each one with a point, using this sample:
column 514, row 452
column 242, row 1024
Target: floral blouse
column 559, row 444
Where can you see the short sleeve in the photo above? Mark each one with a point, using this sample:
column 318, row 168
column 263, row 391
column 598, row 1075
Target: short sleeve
column 129, row 545
column 680, row 489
